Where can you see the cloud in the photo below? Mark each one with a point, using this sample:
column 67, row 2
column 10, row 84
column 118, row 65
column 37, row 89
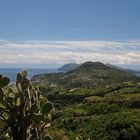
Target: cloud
column 60, row 52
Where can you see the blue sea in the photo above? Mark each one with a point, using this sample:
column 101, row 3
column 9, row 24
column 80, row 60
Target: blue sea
column 12, row 72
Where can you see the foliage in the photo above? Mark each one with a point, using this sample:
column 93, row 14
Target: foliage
column 94, row 101
column 87, row 75
column 24, row 112
column 102, row 113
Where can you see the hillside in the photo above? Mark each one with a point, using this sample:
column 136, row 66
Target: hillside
column 98, row 113
column 68, row 67
column 93, row 101
column 89, row 74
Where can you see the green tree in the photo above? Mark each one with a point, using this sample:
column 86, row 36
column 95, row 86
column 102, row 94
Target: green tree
column 24, row 111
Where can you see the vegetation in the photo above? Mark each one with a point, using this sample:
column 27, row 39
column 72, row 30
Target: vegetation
column 24, row 112
column 92, row 102
column 101, row 113
column 89, row 74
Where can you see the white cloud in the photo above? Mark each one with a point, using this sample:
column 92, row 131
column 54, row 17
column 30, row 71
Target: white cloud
column 60, row 52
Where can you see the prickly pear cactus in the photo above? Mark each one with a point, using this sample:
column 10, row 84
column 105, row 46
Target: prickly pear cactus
column 25, row 112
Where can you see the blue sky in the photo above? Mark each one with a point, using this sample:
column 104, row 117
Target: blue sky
column 48, row 33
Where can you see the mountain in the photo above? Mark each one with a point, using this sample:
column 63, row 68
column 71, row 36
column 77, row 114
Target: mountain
column 89, row 74
column 68, row 67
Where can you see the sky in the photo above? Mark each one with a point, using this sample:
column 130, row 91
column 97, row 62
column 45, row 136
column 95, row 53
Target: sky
column 50, row 33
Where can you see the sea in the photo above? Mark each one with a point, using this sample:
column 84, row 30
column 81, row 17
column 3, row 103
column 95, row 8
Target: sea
column 12, row 72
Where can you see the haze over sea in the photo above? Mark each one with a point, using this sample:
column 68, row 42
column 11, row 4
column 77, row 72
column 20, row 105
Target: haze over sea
column 138, row 73
column 12, row 72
